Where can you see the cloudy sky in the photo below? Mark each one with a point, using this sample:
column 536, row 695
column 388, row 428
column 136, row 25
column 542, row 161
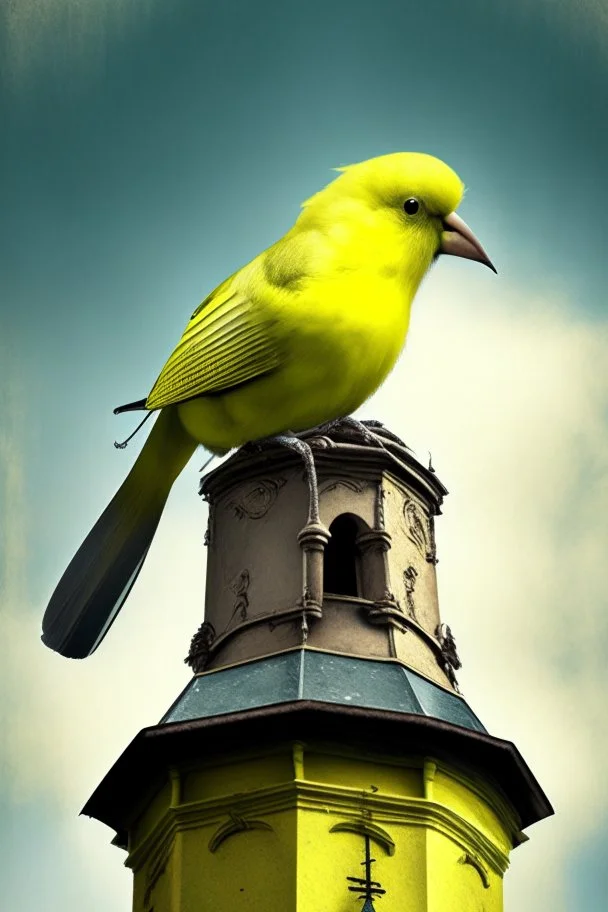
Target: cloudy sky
column 149, row 149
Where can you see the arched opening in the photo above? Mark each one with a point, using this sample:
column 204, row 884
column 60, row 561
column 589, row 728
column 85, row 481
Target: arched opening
column 341, row 556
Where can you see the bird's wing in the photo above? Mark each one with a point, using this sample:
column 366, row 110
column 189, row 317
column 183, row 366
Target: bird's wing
column 229, row 340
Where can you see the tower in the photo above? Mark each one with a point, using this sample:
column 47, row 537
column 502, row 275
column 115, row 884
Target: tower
column 322, row 751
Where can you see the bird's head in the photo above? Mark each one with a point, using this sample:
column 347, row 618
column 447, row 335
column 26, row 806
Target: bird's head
column 416, row 194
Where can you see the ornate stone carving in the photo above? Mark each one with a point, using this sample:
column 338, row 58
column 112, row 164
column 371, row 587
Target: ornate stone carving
column 200, row 646
column 448, row 659
column 350, row 484
column 420, row 530
column 409, row 578
column 241, row 602
column 415, row 525
column 387, row 611
column 255, row 501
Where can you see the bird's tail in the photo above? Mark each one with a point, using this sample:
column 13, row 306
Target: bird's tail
column 99, row 578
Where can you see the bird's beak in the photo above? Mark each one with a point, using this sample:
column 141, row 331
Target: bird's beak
column 457, row 239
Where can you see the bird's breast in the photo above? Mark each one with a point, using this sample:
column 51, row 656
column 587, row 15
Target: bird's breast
column 353, row 331
column 340, row 338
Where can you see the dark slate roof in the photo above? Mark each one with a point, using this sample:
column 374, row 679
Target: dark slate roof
column 307, row 674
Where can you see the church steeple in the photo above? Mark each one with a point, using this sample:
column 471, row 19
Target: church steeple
column 324, row 713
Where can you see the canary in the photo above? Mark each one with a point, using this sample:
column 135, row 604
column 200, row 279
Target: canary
column 300, row 336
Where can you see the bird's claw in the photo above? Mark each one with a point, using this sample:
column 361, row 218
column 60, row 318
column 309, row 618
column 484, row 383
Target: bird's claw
column 354, row 428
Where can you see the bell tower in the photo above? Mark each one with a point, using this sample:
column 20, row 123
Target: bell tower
column 322, row 752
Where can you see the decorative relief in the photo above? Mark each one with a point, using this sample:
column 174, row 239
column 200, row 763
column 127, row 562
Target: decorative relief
column 355, row 486
column 255, row 502
column 448, row 660
column 200, row 646
column 431, row 554
column 236, row 824
column 415, row 525
column 420, row 530
column 409, row 578
column 241, row 602
column 388, row 597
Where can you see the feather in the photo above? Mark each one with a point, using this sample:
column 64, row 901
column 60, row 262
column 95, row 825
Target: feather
column 99, row 578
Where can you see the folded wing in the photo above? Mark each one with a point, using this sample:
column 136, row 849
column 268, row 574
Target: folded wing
column 229, row 340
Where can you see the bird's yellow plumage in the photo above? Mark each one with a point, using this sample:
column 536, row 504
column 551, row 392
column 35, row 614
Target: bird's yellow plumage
column 309, row 329
column 303, row 334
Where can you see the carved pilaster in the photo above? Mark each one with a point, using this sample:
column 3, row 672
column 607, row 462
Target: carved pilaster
column 373, row 547
column 312, row 540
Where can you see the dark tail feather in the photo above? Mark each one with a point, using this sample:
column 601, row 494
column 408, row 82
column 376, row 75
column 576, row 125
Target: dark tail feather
column 99, row 578
column 130, row 407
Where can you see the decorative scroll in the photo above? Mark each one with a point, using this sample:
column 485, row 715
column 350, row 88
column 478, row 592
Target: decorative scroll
column 469, row 859
column 257, row 500
column 365, row 828
column 236, row 824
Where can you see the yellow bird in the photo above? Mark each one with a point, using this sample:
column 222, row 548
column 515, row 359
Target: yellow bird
column 302, row 335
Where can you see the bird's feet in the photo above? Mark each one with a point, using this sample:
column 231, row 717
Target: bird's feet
column 300, row 447
column 353, row 428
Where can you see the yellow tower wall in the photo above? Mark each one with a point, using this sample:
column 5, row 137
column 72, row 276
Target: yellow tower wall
column 284, row 830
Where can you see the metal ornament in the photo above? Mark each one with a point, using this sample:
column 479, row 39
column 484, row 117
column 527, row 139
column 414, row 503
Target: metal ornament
column 367, row 888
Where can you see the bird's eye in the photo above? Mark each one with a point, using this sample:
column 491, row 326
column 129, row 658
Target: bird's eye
column 411, row 206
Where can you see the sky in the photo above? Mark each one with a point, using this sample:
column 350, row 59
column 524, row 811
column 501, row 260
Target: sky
column 150, row 149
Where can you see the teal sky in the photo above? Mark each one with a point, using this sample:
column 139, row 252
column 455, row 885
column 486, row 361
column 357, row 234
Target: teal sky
column 150, row 149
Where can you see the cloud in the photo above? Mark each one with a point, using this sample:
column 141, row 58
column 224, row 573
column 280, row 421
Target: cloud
column 12, row 482
column 70, row 720
column 511, row 394
column 508, row 391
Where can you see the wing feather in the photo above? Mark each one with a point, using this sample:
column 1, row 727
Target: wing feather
column 229, row 340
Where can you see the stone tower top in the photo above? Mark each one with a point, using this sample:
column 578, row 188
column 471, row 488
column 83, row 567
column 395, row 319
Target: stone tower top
column 321, row 628
column 368, row 589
